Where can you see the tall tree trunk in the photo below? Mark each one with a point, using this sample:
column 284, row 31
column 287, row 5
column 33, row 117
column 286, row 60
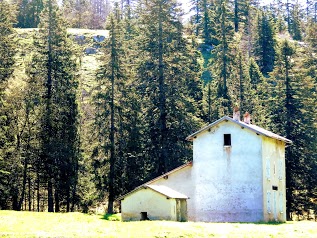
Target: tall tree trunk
column 206, row 23
column 50, row 196
column 288, row 16
column 26, row 159
column 25, row 167
column 74, row 188
column 38, row 189
column 289, row 184
column 29, row 194
column 112, row 128
column 48, row 108
column 56, row 196
column 236, row 16
column 162, row 98
column 241, row 86
column 197, row 18
column 209, row 102
column 68, row 198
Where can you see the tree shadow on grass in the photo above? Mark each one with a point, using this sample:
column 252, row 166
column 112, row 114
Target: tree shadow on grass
column 111, row 217
column 270, row 223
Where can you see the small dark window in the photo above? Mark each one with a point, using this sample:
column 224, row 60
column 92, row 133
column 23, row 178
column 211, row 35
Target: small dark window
column 275, row 188
column 227, row 139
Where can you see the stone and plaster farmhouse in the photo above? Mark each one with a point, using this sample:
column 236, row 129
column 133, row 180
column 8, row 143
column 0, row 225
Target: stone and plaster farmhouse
column 237, row 175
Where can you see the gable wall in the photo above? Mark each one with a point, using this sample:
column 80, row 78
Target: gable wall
column 274, row 201
column 157, row 206
column 228, row 180
column 181, row 181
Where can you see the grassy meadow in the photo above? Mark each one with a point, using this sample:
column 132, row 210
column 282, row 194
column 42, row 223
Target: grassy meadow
column 31, row 224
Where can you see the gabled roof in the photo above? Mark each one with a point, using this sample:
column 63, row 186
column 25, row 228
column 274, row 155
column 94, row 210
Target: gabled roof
column 254, row 128
column 148, row 184
column 168, row 192
column 170, row 172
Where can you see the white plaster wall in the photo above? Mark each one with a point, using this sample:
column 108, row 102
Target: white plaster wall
column 181, row 181
column 157, row 206
column 228, row 179
column 274, row 175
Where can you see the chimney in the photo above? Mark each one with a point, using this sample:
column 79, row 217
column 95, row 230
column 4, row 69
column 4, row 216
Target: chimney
column 236, row 114
column 247, row 118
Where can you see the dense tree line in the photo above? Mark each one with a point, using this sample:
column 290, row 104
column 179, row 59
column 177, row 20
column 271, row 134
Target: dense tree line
column 158, row 80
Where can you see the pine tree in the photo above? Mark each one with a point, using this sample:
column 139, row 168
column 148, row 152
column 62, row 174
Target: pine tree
column 311, row 10
column 55, row 67
column 7, row 50
column 223, row 61
column 196, row 18
column 202, row 20
column 77, row 13
column 293, row 112
column 259, row 85
column 131, row 162
column 265, row 43
column 295, row 26
column 241, row 12
column 111, row 76
column 99, row 10
column 165, row 64
column 29, row 13
column 7, row 53
column 308, row 71
column 244, row 90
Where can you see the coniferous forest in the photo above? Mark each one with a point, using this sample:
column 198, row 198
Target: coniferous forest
column 75, row 137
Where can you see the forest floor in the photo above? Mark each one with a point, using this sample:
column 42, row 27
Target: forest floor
column 32, row 224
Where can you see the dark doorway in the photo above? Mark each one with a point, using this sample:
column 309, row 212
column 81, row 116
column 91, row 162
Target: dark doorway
column 144, row 216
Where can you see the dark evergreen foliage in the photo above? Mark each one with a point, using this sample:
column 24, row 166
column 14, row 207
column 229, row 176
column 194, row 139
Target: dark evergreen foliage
column 54, row 67
column 29, row 13
column 7, row 52
column 156, row 84
column 165, row 74
column 222, row 64
column 265, row 42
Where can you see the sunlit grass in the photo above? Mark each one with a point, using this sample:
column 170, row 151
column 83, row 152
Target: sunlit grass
column 31, row 224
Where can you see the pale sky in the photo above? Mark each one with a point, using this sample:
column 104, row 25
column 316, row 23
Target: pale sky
column 186, row 5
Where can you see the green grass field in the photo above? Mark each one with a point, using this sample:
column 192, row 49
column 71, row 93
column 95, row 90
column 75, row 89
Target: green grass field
column 31, row 224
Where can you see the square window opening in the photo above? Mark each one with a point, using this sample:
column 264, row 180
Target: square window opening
column 227, row 139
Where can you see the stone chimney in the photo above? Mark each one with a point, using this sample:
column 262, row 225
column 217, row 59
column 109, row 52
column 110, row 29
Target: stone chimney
column 236, row 114
column 247, row 118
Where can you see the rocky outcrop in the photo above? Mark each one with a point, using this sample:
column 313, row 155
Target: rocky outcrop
column 90, row 50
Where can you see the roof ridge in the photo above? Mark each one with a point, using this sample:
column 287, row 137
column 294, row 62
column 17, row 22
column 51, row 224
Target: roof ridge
column 255, row 128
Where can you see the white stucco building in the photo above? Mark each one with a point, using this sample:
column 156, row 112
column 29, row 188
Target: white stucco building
column 237, row 175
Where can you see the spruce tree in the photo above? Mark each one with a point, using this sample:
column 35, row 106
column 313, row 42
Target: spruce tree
column 7, row 53
column 196, row 18
column 295, row 26
column 29, row 13
column 7, row 47
column 112, row 96
column 241, row 12
column 293, row 115
column 222, row 64
column 308, row 70
column 265, row 43
column 165, row 75
column 202, row 20
column 259, row 86
column 55, row 67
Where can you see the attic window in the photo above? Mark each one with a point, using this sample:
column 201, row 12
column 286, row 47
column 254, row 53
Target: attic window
column 227, row 139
